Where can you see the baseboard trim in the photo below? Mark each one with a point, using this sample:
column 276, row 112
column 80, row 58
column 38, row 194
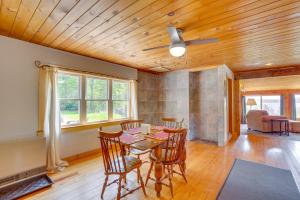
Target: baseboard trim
column 94, row 152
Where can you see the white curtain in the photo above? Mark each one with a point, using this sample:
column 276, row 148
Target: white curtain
column 51, row 124
column 133, row 100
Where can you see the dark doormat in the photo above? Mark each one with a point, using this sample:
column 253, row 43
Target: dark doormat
column 254, row 181
column 25, row 187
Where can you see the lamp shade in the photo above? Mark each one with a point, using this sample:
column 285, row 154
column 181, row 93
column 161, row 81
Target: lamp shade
column 251, row 102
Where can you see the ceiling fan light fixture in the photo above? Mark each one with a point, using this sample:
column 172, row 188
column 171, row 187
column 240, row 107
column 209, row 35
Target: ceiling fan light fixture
column 177, row 49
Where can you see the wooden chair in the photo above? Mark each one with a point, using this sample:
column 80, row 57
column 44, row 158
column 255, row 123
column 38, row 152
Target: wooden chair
column 130, row 124
column 171, row 156
column 117, row 163
column 172, row 122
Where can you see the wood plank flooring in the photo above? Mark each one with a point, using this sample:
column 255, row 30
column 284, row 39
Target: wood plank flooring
column 207, row 167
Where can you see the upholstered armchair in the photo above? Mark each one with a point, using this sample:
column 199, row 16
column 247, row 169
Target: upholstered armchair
column 260, row 120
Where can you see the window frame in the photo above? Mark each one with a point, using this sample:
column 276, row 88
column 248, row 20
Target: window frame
column 261, row 101
column 296, row 94
column 83, row 100
column 128, row 99
column 73, row 99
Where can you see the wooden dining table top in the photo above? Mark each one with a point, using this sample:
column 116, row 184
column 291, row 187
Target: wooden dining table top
column 142, row 141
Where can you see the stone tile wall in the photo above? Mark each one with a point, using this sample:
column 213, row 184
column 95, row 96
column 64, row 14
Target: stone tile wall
column 174, row 96
column 197, row 97
column 148, row 97
column 204, row 105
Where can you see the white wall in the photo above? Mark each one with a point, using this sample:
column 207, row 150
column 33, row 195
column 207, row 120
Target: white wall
column 82, row 141
column 19, row 82
column 19, row 91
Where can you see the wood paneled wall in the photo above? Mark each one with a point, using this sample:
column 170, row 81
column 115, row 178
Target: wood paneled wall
column 252, row 33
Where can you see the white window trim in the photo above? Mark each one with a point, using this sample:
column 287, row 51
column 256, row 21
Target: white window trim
column 83, row 101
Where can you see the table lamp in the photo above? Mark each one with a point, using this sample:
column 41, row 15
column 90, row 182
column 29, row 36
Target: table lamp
column 251, row 102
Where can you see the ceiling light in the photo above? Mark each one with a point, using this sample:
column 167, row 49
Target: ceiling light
column 269, row 64
column 177, row 49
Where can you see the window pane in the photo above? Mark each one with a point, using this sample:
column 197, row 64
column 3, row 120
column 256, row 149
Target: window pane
column 120, row 109
column 254, row 107
column 96, row 111
column 68, row 86
column 297, row 99
column 120, row 90
column 70, row 112
column 271, row 104
column 96, row 88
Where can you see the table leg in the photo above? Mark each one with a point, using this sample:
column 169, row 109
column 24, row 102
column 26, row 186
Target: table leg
column 272, row 130
column 158, row 170
column 280, row 128
column 123, row 150
column 288, row 128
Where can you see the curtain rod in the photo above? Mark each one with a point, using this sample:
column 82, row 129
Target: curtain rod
column 38, row 64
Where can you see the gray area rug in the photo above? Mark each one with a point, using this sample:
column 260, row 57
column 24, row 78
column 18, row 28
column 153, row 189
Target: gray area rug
column 254, row 181
column 292, row 136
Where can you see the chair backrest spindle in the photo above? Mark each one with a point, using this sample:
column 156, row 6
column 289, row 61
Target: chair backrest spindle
column 130, row 124
column 174, row 144
column 112, row 151
column 172, row 122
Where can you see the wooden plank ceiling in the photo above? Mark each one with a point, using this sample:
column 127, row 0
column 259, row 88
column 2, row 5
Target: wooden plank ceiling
column 253, row 34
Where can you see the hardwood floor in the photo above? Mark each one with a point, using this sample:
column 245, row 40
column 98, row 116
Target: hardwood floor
column 207, row 167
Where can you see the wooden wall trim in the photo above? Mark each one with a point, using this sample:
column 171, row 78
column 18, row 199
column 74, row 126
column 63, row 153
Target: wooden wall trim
column 262, row 73
column 237, row 107
column 94, row 152
column 272, row 92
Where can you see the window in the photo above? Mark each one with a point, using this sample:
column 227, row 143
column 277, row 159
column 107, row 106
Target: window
column 120, row 99
column 297, row 102
column 88, row 99
column 271, row 104
column 96, row 99
column 268, row 103
column 69, row 98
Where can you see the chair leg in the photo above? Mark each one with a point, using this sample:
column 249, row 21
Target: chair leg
column 119, row 188
column 104, row 186
column 171, row 170
column 170, row 181
column 141, row 181
column 128, row 151
column 149, row 172
column 138, row 175
column 182, row 172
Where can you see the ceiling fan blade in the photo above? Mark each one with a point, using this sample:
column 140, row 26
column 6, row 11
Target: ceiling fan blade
column 174, row 34
column 153, row 48
column 200, row 41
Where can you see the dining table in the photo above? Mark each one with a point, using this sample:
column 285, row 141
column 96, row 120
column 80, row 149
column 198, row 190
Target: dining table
column 153, row 139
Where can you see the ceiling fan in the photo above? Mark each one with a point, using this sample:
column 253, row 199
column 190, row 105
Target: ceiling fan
column 177, row 47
